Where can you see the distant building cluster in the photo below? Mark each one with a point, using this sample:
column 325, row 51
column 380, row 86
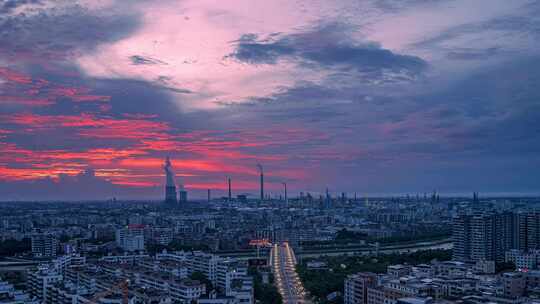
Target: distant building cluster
column 103, row 252
column 164, row 278
column 443, row 283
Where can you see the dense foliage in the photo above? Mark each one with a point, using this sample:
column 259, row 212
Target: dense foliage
column 320, row 283
column 201, row 277
column 12, row 247
column 348, row 235
column 264, row 293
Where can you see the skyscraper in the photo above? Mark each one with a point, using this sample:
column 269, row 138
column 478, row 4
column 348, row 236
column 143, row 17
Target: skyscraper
column 170, row 188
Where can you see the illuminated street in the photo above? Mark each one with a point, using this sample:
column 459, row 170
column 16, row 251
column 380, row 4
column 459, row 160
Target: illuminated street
column 287, row 281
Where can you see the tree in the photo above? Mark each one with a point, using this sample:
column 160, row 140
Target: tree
column 264, row 293
column 321, row 283
column 12, row 247
column 347, row 235
column 201, row 277
column 504, row 266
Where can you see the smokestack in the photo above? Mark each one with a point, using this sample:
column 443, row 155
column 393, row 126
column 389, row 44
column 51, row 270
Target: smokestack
column 262, row 181
column 286, row 199
column 209, row 195
column 230, row 192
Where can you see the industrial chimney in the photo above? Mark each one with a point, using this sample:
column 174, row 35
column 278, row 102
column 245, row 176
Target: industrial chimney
column 230, row 192
column 262, row 181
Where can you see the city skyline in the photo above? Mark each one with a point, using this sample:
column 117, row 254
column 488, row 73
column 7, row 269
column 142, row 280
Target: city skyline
column 376, row 97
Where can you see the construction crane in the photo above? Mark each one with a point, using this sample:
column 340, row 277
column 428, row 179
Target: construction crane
column 123, row 285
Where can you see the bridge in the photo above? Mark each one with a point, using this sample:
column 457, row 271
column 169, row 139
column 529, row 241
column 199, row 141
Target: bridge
column 354, row 250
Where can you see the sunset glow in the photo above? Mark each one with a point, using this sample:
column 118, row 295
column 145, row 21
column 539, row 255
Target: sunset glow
column 373, row 96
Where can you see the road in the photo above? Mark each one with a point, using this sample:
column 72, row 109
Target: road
column 283, row 263
column 368, row 250
column 382, row 250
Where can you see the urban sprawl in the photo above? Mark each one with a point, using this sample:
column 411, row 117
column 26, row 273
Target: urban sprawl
column 329, row 248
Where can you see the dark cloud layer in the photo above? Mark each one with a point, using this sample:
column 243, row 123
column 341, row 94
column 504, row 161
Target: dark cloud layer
column 9, row 6
column 473, row 54
column 393, row 6
column 56, row 33
column 143, row 60
column 328, row 47
column 487, row 121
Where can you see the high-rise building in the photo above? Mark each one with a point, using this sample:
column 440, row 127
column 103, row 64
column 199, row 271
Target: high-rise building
column 44, row 245
column 182, row 196
column 131, row 238
column 356, row 285
column 38, row 282
column 533, row 230
column 461, row 236
column 514, row 284
column 488, row 235
column 327, row 200
column 520, row 231
column 170, row 188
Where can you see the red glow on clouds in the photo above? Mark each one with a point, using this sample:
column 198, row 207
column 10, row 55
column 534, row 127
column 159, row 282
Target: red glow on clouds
column 238, row 185
column 128, row 150
column 187, row 165
column 89, row 125
column 207, row 156
column 14, row 76
column 23, row 90
column 78, row 94
column 33, row 102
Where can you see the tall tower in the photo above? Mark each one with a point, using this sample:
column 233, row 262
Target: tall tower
column 327, row 200
column 286, row 199
column 230, row 191
column 170, row 188
column 262, row 181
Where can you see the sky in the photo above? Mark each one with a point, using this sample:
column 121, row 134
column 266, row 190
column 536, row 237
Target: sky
column 371, row 96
